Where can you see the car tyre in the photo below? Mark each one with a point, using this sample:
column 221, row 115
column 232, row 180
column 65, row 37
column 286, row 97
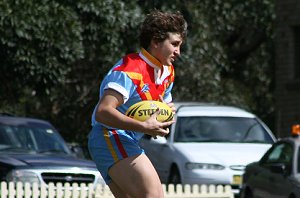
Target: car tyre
column 248, row 193
column 292, row 196
column 174, row 177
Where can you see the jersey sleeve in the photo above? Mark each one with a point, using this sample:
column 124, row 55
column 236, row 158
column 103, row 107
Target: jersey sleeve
column 168, row 95
column 120, row 82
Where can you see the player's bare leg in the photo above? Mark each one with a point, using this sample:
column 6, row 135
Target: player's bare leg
column 137, row 177
column 117, row 192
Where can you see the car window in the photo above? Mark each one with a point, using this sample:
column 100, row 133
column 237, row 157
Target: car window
column 220, row 129
column 8, row 138
column 37, row 138
column 280, row 153
column 298, row 161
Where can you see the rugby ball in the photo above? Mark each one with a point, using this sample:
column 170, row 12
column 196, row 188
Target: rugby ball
column 144, row 109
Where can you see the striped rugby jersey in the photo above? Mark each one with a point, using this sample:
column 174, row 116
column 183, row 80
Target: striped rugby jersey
column 138, row 77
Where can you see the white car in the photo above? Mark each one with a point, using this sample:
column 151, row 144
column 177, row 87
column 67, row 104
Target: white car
column 208, row 144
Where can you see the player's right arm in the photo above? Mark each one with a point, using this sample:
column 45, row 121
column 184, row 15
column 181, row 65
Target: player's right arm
column 108, row 114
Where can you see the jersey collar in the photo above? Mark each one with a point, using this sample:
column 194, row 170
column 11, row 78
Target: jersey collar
column 151, row 60
column 160, row 71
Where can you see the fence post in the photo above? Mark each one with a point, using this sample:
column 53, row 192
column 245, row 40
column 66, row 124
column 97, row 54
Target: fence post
column 59, row 190
column 196, row 189
column 91, row 191
column 36, row 192
column 43, row 191
column 51, row 190
column 83, row 190
column 75, row 193
column 28, row 190
column 4, row 190
column 11, row 189
column 67, row 188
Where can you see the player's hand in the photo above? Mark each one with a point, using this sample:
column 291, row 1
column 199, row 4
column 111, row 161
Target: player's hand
column 171, row 104
column 156, row 128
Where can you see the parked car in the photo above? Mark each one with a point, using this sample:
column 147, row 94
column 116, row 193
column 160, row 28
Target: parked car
column 277, row 173
column 208, row 144
column 32, row 150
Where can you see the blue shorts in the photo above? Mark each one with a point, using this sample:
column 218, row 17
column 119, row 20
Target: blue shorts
column 107, row 147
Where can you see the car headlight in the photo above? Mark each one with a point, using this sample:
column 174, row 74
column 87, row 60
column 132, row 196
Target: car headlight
column 204, row 166
column 22, row 176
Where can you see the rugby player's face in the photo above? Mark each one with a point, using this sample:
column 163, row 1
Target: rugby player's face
column 167, row 50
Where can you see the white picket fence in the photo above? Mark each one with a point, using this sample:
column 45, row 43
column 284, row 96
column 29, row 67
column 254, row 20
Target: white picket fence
column 20, row 190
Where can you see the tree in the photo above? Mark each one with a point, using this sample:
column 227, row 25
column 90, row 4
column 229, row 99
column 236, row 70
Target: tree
column 109, row 31
column 228, row 55
column 39, row 40
column 54, row 55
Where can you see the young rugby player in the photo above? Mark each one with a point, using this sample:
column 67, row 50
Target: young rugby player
column 146, row 75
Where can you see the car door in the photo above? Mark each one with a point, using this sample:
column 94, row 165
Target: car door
column 159, row 154
column 274, row 180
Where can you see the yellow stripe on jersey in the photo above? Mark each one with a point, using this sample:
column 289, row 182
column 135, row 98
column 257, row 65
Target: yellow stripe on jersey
column 134, row 75
column 139, row 77
column 151, row 58
column 110, row 146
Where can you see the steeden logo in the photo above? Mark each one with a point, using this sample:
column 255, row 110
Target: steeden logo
column 145, row 88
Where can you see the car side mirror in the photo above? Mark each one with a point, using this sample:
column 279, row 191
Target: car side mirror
column 159, row 140
column 76, row 150
column 278, row 168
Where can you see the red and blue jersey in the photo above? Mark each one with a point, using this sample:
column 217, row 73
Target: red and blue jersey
column 138, row 76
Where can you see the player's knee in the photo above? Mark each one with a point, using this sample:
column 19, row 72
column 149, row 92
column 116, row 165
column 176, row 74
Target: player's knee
column 156, row 193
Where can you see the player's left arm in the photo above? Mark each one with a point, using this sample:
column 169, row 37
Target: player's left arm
column 167, row 98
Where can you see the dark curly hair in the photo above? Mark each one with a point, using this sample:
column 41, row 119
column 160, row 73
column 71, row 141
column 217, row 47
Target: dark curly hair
column 158, row 24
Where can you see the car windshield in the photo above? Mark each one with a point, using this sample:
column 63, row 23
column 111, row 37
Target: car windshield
column 36, row 138
column 220, row 129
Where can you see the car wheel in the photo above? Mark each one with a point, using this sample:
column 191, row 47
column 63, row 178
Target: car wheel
column 174, row 177
column 248, row 193
column 292, row 196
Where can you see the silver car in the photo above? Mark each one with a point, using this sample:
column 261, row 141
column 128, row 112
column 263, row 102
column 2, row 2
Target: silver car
column 208, row 144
